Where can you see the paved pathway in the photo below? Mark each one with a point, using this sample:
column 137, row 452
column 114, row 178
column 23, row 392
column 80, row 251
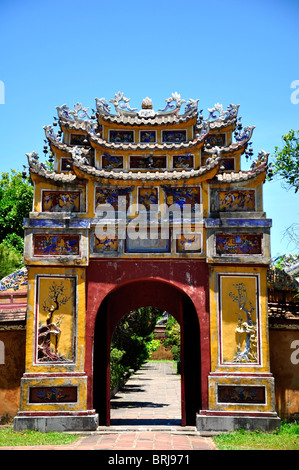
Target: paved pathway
column 151, row 396
column 145, row 415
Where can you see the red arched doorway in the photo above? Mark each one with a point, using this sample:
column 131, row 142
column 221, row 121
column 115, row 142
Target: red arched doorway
column 163, row 295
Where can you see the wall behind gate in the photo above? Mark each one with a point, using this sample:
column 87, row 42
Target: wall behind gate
column 284, row 363
column 12, row 367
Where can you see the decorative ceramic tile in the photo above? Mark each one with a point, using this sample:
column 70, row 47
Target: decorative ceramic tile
column 243, row 200
column 148, row 196
column 61, row 201
column 190, row 243
column 147, row 136
column 183, row 161
column 174, row 136
column 148, row 162
column 111, row 195
column 53, row 394
column 55, row 245
column 66, row 164
column 106, row 244
column 119, row 137
column 110, row 162
column 182, row 196
column 228, row 164
column 77, row 139
column 241, row 394
column 216, row 140
column 238, row 244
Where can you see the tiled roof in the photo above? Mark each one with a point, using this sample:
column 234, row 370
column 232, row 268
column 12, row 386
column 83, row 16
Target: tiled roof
column 156, row 120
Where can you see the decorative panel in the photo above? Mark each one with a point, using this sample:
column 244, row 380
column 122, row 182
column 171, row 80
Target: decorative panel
column 106, row 245
column 190, row 243
column 183, row 161
column 182, row 196
column 66, row 164
column 111, row 195
column 110, row 162
column 228, row 164
column 53, row 394
column 121, row 136
column 55, row 245
column 174, row 136
column 148, row 162
column 216, row 140
column 77, row 139
column 241, row 394
column 243, row 200
column 147, row 136
column 147, row 245
column 148, row 196
column 238, row 244
column 61, row 201
column 239, row 319
column 55, row 319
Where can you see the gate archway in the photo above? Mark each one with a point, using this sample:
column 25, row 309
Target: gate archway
column 165, row 296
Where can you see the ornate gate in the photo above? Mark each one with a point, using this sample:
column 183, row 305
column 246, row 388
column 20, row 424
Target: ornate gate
column 147, row 208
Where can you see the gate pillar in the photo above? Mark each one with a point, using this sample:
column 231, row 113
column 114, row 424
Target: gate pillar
column 241, row 386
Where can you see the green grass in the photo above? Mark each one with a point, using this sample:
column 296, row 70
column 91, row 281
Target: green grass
column 9, row 437
column 285, row 439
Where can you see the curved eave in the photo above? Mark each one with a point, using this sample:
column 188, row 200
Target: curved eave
column 219, row 124
column 257, row 173
column 233, row 148
column 154, row 121
column 55, row 146
column 37, row 172
column 78, row 125
column 204, row 172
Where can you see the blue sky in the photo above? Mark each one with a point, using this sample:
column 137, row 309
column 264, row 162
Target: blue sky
column 56, row 52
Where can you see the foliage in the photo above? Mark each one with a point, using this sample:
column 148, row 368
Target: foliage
column 287, row 438
column 16, row 196
column 173, row 337
column 117, row 370
column 10, row 259
column 133, row 341
column 284, row 261
column 286, row 163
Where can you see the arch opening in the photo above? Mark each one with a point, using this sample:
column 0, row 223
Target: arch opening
column 169, row 298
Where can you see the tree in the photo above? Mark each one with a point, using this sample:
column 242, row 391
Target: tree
column 286, row 163
column 173, row 337
column 133, row 334
column 16, row 196
column 10, row 260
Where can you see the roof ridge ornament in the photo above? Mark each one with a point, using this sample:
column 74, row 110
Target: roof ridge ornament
column 147, row 108
column 173, row 108
column 230, row 113
column 121, row 104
